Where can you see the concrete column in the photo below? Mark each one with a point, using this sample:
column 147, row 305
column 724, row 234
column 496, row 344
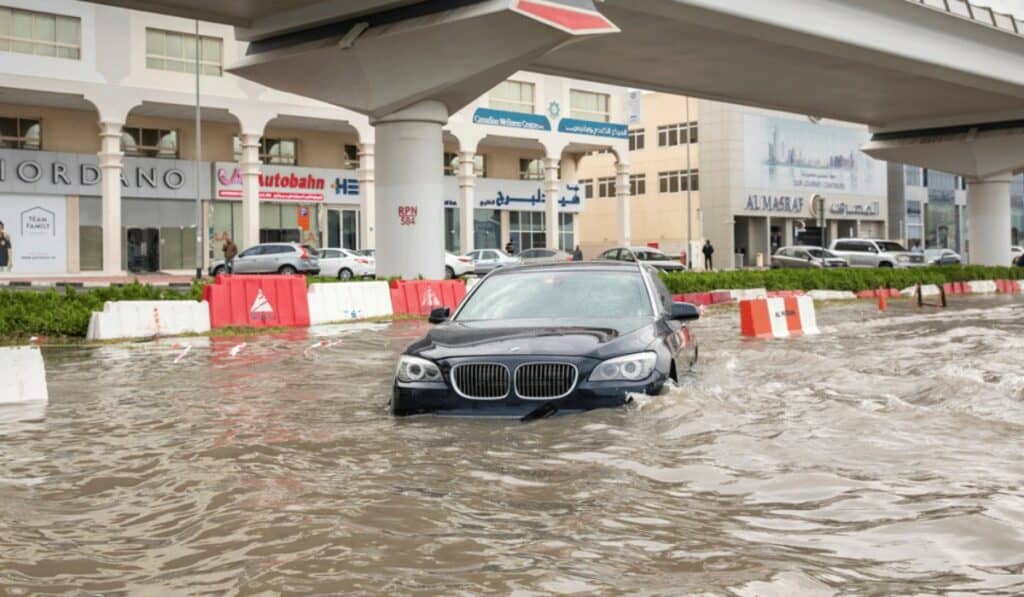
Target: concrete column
column 787, row 232
column 767, row 241
column 467, row 200
column 622, row 195
column 988, row 221
column 410, row 221
column 506, row 229
column 856, row 229
column 74, row 221
column 250, row 167
column 367, row 201
column 110, row 190
column 551, row 197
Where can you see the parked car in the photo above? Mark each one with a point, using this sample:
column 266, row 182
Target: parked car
column 652, row 257
column 806, row 257
column 866, row 252
column 272, row 258
column 534, row 340
column 456, row 266
column 534, row 256
column 346, row 264
column 487, row 260
column 371, row 253
column 942, row 257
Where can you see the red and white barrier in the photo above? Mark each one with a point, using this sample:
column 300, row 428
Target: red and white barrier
column 778, row 317
column 332, row 302
column 982, row 287
column 22, row 375
column 747, row 294
column 831, row 295
column 144, row 319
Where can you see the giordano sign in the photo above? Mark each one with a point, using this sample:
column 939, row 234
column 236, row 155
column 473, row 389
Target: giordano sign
column 51, row 173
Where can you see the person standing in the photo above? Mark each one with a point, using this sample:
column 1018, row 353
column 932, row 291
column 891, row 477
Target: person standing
column 708, row 251
column 230, row 250
column 6, row 250
column 577, row 255
column 510, row 248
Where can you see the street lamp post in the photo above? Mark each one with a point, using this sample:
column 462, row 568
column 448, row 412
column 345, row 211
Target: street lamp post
column 198, row 157
column 689, row 191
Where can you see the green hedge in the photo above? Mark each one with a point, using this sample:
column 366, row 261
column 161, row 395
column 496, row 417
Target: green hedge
column 25, row 313
column 853, row 279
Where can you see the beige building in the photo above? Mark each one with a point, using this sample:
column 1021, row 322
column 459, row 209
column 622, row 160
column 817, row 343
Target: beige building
column 754, row 180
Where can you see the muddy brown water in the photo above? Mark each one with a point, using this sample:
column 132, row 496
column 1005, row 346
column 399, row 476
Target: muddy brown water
column 883, row 457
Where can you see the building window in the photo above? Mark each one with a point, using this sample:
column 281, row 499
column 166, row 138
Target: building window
column 149, row 143
column 40, row 33
column 677, row 180
column 587, row 105
column 351, row 157
column 588, row 188
column 21, row 133
column 273, row 151
column 527, row 230
column 606, row 186
column 636, row 139
column 637, row 184
column 514, row 96
column 670, row 135
column 176, row 52
column 451, row 164
column 531, row 169
column 566, row 237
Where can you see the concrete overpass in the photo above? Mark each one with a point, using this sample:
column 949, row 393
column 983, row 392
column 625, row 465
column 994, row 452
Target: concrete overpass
column 940, row 82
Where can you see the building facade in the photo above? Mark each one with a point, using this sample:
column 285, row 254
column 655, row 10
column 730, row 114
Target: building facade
column 749, row 180
column 98, row 148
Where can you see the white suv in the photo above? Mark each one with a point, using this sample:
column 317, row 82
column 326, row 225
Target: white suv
column 866, row 252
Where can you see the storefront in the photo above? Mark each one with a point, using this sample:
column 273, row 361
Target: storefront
column 512, row 210
column 316, row 206
column 50, row 205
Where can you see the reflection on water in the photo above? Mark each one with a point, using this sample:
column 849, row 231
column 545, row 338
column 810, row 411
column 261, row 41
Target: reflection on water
column 881, row 457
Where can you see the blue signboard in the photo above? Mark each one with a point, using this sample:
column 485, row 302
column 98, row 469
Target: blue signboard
column 596, row 129
column 515, row 120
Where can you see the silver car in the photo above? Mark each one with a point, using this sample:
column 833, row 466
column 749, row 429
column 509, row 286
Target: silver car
column 487, row 260
column 653, row 257
column 942, row 257
column 272, row 258
column 543, row 256
column 867, row 252
column 806, row 257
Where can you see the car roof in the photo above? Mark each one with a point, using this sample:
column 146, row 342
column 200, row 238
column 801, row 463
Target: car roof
column 569, row 266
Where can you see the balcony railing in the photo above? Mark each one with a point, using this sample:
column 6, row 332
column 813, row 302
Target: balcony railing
column 978, row 14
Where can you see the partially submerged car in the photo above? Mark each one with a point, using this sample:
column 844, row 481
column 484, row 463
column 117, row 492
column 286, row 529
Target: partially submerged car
column 530, row 341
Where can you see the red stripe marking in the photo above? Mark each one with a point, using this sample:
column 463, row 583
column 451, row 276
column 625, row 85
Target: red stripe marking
column 793, row 316
column 573, row 20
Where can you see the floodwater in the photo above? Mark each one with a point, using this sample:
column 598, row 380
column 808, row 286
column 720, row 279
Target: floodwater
column 883, row 457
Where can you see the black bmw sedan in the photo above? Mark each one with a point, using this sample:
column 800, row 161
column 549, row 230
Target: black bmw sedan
column 532, row 341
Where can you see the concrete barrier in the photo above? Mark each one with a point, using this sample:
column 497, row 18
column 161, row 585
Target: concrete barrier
column 927, row 291
column 747, row 294
column 144, row 319
column 347, row 301
column 982, row 287
column 831, row 295
column 22, row 375
column 778, row 317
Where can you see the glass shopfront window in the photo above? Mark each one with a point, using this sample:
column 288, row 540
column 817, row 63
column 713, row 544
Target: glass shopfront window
column 941, row 220
column 289, row 223
column 1017, row 210
column 227, row 220
column 527, row 229
column 487, row 229
column 452, row 228
column 566, row 236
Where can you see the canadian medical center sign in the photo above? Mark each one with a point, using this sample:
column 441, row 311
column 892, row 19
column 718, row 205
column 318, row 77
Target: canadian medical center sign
column 290, row 183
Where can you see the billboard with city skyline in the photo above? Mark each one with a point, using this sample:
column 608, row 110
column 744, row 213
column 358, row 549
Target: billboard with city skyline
column 798, row 155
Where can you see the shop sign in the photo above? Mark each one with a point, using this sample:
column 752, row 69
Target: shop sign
column 407, row 215
column 841, row 208
column 595, row 129
column 775, row 204
column 53, row 173
column 516, row 120
column 290, row 183
column 515, row 195
column 37, row 226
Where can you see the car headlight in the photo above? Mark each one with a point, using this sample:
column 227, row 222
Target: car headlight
column 903, row 258
column 414, row 369
column 631, row 367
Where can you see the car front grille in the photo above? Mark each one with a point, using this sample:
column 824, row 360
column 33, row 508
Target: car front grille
column 481, row 381
column 545, row 381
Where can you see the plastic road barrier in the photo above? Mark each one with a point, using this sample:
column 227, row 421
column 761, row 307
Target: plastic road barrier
column 22, row 375
column 349, row 300
column 982, row 287
column 420, row 297
column 258, row 301
column 831, row 295
column 143, row 319
column 778, row 317
column 927, row 291
column 746, row 294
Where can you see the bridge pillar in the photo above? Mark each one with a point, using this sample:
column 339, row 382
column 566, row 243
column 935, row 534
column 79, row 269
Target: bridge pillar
column 988, row 220
column 409, row 214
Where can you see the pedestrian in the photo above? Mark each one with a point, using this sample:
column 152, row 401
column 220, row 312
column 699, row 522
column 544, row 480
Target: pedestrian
column 6, row 250
column 510, row 248
column 708, row 251
column 230, row 250
column 577, row 255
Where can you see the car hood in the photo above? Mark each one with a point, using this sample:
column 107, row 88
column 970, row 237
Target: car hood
column 526, row 337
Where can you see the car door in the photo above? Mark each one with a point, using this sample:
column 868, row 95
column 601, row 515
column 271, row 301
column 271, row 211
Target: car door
column 330, row 262
column 486, row 261
column 247, row 261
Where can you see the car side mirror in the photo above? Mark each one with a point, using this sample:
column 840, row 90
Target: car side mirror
column 439, row 315
column 684, row 312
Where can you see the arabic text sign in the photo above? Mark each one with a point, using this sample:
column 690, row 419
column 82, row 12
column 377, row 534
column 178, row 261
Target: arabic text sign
column 517, row 195
column 595, row 129
column 515, row 120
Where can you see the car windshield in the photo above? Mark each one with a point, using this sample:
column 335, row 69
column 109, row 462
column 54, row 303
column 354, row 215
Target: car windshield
column 559, row 295
column 933, row 253
column 889, row 246
column 821, row 253
column 650, row 256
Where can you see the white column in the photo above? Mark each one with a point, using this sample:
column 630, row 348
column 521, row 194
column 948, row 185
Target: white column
column 250, row 167
column 467, row 200
column 622, row 194
column 551, row 197
column 988, row 221
column 110, row 190
column 410, row 221
column 367, row 201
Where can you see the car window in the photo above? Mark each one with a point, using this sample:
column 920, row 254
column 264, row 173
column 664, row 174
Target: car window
column 558, row 295
column 611, row 254
column 251, row 252
column 651, row 256
column 801, row 254
column 626, row 255
column 819, row 253
column 663, row 293
column 473, row 255
column 492, row 254
column 784, row 252
column 277, row 250
column 329, row 254
column 312, row 250
column 889, row 246
column 845, row 246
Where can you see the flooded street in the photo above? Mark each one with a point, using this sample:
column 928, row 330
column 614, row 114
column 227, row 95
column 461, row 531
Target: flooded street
column 881, row 457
